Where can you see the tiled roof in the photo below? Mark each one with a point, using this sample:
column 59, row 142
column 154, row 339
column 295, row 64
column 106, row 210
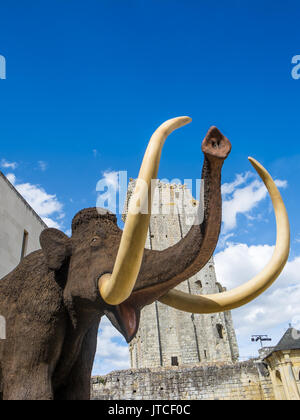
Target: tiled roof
column 289, row 341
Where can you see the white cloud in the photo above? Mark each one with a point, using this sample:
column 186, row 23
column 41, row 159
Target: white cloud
column 242, row 200
column 8, row 165
column 42, row 165
column 51, row 223
column 237, row 263
column 281, row 184
column 44, row 204
column 272, row 311
column 112, row 350
column 240, row 179
column 223, row 240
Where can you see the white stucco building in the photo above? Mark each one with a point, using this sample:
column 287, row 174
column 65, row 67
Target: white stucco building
column 20, row 227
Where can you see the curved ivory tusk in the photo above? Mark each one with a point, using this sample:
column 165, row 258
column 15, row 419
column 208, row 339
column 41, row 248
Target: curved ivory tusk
column 115, row 288
column 204, row 304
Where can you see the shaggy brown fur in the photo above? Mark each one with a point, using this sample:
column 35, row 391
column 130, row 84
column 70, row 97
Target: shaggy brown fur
column 51, row 301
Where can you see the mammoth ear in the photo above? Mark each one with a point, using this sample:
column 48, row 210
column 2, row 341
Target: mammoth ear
column 56, row 247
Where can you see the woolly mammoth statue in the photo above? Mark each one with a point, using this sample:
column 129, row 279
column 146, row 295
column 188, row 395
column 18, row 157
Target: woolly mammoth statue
column 53, row 301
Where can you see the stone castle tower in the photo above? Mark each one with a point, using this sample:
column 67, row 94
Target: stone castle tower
column 168, row 337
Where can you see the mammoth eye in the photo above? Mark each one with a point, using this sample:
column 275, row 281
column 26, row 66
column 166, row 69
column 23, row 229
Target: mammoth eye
column 95, row 240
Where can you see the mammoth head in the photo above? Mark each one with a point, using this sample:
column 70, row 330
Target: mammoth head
column 113, row 270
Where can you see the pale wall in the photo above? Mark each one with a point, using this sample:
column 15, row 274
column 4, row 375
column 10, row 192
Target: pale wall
column 15, row 216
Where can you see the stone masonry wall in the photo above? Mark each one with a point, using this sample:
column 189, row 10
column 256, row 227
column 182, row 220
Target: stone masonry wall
column 236, row 381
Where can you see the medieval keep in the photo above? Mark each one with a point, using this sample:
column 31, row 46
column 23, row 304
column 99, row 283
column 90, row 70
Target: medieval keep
column 166, row 336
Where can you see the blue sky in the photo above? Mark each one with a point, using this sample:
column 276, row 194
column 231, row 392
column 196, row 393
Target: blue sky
column 88, row 82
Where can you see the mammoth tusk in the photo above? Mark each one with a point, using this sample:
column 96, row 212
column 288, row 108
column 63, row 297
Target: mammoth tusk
column 115, row 288
column 204, row 304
